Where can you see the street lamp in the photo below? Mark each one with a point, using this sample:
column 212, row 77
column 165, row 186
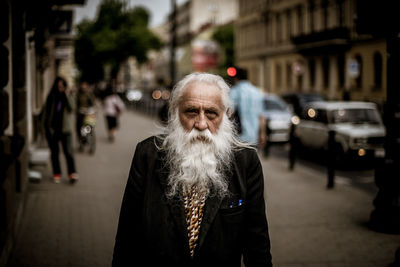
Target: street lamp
column 173, row 42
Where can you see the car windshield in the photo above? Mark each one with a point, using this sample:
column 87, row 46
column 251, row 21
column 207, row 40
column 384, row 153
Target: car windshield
column 270, row 104
column 310, row 98
column 355, row 116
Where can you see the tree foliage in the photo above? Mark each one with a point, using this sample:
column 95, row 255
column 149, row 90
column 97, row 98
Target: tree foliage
column 224, row 35
column 116, row 34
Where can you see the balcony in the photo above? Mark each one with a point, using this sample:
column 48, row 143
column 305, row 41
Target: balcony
column 328, row 41
column 68, row 2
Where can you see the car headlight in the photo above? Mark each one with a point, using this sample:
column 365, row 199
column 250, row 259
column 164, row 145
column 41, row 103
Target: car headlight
column 295, row 119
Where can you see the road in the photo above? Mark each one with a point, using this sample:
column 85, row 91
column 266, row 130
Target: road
column 75, row 225
column 357, row 175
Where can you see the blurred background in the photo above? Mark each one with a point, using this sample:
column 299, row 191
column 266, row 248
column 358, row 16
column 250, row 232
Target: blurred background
column 333, row 50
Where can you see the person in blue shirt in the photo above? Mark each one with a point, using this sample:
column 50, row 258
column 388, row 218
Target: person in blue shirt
column 247, row 101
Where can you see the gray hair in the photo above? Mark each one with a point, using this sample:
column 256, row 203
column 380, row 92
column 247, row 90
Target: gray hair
column 209, row 78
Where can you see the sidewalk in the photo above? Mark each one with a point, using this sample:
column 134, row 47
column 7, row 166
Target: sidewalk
column 68, row 225
column 75, row 225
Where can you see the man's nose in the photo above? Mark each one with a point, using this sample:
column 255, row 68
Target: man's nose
column 201, row 123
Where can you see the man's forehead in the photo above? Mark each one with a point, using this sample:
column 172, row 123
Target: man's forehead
column 202, row 92
column 202, row 85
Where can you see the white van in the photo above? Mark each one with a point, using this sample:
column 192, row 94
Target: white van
column 359, row 131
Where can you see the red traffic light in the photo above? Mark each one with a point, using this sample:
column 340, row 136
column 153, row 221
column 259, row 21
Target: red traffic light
column 231, row 71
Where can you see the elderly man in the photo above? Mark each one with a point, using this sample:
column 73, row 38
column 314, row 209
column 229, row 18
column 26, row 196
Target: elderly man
column 195, row 195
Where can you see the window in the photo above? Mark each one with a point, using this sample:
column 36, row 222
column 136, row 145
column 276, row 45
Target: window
column 278, row 28
column 289, row 24
column 377, row 70
column 272, row 104
column 359, row 78
column 341, row 70
column 289, row 76
column 311, row 64
column 325, row 71
column 311, row 9
column 325, row 13
column 268, row 28
column 356, row 116
column 340, row 12
column 278, row 76
column 300, row 83
column 299, row 20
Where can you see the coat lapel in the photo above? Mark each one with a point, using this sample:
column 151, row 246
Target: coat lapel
column 175, row 204
column 213, row 205
column 211, row 208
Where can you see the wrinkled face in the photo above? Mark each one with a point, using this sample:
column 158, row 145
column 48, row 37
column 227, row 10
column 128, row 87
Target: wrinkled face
column 201, row 107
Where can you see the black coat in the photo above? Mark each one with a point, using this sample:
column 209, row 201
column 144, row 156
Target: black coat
column 152, row 228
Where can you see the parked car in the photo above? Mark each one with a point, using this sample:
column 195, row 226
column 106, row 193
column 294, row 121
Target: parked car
column 298, row 100
column 358, row 128
column 279, row 118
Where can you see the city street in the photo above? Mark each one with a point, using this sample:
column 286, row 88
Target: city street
column 75, row 225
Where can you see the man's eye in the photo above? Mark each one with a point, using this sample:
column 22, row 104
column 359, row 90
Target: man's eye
column 212, row 114
column 191, row 111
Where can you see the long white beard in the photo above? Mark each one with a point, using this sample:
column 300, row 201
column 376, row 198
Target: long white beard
column 199, row 158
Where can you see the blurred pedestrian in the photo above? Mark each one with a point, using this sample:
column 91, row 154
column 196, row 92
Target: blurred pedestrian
column 195, row 194
column 57, row 118
column 248, row 104
column 113, row 108
column 85, row 99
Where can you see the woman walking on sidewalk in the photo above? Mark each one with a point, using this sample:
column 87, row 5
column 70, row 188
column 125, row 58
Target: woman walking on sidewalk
column 57, row 122
column 113, row 107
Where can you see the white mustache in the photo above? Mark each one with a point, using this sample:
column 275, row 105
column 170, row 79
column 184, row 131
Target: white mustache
column 202, row 136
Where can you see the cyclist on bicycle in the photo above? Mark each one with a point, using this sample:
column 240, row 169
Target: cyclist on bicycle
column 85, row 100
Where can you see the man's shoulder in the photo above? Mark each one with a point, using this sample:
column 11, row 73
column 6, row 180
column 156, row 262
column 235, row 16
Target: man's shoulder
column 148, row 149
column 245, row 154
column 248, row 86
column 150, row 142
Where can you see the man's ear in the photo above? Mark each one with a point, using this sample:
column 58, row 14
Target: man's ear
column 228, row 112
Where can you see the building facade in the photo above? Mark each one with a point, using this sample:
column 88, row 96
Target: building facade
column 310, row 46
column 196, row 20
column 34, row 49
